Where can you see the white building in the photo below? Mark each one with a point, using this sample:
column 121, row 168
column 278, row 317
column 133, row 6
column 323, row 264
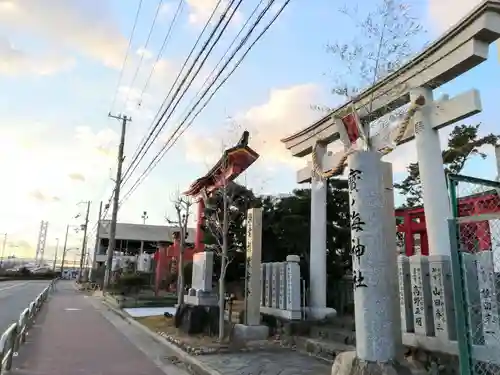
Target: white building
column 132, row 239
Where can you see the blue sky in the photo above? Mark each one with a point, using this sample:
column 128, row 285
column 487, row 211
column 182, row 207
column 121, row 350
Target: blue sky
column 59, row 68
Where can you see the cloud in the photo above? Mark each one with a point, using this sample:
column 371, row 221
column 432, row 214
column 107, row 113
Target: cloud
column 85, row 26
column 165, row 9
column 200, row 11
column 287, row 110
column 42, row 197
column 41, row 171
column 444, row 14
column 14, row 61
column 76, row 177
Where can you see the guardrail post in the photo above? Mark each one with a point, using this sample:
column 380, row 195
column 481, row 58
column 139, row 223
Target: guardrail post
column 12, row 343
column 12, row 339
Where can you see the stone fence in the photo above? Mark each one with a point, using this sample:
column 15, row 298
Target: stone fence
column 281, row 289
column 426, row 301
column 428, row 310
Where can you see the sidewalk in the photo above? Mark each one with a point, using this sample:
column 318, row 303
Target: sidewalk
column 71, row 337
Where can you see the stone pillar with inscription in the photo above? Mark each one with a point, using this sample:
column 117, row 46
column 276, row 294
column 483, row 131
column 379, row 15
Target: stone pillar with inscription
column 374, row 293
column 253, row 330
column 488, row 297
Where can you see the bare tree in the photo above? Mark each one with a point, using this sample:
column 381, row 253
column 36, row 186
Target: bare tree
column 182, row 207
column 221, row 218
column 388, row 36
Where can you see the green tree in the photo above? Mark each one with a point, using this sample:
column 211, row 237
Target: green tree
column 464, row 143
column 286, row 228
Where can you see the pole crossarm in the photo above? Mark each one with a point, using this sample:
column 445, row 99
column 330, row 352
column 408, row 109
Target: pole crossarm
column 460, row 49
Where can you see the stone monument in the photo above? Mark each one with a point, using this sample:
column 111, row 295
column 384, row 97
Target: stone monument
column 200, row 310
column 280, row 288
column 253, row 329
column 201, row 293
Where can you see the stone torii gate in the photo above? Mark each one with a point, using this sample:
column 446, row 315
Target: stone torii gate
column 463, row 47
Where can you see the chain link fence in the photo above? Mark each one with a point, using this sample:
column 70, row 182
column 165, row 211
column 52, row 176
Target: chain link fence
column 476, row 208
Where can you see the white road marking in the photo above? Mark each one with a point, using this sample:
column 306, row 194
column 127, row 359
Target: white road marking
column 13, row 286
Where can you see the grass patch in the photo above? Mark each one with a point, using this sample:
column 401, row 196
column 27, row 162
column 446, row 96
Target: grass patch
column 194, row 344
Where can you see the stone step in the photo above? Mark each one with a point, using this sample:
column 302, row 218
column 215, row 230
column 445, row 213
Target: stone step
column 346, row 322
column 323, row 349
column 331, row 333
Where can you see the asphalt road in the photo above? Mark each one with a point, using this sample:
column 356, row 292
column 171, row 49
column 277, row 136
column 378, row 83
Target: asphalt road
column 15, row 296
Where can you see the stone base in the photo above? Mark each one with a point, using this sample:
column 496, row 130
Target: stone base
column 348, row 364
column 197, row 319
column 242, row 332
column 279, row 313
column 205, row 300
column 320, row 313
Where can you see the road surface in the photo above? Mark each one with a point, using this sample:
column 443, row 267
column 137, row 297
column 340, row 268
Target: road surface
column 15, row 296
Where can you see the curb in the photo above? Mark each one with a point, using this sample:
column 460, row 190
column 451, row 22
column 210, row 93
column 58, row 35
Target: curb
column 194, row 364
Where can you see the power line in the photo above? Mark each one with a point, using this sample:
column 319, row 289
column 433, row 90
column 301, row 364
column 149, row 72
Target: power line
column 153, row 127
column 167, row 147
column 225, row 54
column 164, row 149
column 162, row 48
column 126, row 54
column 152, row 136
column 158, row 57
column 139, row 65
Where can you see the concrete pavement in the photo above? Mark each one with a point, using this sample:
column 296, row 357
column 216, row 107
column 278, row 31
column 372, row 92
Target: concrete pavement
column 15, row 296
column 74, row 335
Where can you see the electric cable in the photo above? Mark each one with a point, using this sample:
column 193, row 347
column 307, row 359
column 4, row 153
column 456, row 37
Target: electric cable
column 126, row 55
column 130, row 166
column 167, row 147
column 153, row 68
column 146, row 44
column 152, row 137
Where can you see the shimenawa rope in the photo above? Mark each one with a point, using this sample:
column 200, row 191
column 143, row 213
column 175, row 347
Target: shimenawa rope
column 417, row 104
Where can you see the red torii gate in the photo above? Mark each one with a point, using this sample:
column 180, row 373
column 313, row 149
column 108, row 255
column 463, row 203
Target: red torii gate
column 233, row 162
column 413, row 222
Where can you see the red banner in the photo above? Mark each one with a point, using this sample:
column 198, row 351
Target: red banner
column 352, row 126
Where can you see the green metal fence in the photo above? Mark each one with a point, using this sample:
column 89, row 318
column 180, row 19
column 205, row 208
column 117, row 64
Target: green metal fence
column 475, row 241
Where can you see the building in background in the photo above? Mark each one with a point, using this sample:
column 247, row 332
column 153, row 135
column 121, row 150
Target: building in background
column 134, row 239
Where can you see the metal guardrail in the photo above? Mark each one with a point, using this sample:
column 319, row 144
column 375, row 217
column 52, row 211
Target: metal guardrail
column 14, row 336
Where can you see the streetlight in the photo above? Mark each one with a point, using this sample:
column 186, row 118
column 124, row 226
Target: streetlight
column 84, row 227
column 55, row 256
column 144, row 217
column 3, row 249
column 64, row 257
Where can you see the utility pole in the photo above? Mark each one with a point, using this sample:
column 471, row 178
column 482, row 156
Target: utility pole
column 3, row 249
column 96, row 247
column 55, row 255
column 64, row 250
column 116, row 200
column 84, row 241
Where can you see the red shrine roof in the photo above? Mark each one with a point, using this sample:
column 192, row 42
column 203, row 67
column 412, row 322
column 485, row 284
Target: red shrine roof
column 239, row 159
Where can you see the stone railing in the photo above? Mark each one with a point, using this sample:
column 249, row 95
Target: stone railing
column 428, row 310
column 281, row 289
column 14, row 336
